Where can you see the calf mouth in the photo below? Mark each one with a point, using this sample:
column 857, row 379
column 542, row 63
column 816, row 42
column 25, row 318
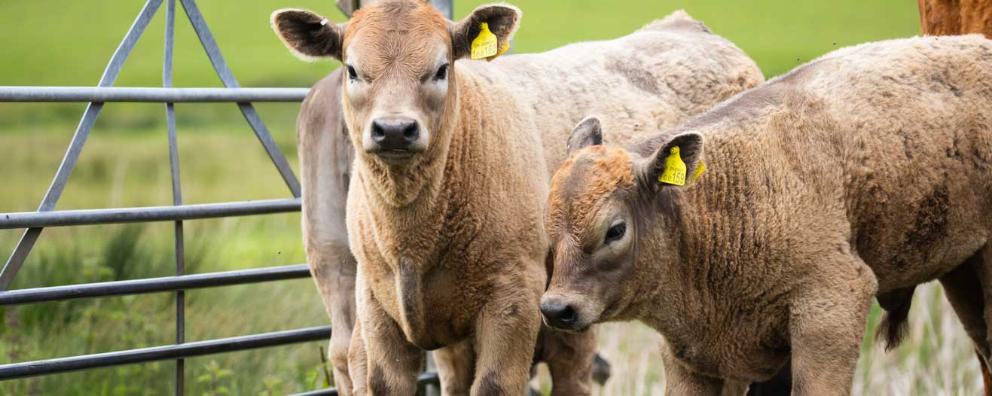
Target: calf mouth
column 568, row 329
column 394, row 156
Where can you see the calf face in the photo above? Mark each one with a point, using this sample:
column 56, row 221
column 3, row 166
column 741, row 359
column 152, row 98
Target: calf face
column 399, row 93
column 604, row 201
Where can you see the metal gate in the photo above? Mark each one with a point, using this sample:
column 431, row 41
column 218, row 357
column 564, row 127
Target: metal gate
column 46, row 216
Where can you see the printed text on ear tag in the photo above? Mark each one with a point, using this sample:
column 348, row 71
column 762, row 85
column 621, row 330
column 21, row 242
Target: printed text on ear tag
column 485, row 44
column 674, row 172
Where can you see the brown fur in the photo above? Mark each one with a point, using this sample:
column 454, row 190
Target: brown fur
column 952, row 17
column 863, row 173
column 450, row 241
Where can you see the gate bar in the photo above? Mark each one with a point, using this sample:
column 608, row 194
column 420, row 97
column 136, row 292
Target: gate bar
column 110, row 74
column 423, row 380
column 247, row 109
column 166, row 352
column 177, row 191
column 152, row 285
column 146, row 214
column 150, row 94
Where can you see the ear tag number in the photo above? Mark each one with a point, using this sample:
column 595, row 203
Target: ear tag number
column 674, row 172
column 485, row 44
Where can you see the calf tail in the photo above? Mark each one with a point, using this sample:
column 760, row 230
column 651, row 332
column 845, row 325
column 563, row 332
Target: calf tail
column 896, row 304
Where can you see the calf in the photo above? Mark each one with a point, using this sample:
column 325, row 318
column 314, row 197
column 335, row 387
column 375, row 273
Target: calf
column 451, row 169
column 863, row 173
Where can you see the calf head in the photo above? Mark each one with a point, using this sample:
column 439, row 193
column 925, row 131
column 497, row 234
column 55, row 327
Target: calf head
column 604, row 203
column 399, row 94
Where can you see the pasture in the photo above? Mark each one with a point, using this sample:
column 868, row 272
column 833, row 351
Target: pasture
column 125, row 163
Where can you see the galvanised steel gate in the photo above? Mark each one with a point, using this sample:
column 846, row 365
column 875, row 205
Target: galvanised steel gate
column 46, row 216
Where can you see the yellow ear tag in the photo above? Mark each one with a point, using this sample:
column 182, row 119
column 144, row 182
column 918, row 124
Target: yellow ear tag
column 674, row 172
column 502, row 49
column 699, row 171
column 485, row 44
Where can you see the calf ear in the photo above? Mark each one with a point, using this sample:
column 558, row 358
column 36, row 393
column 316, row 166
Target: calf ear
column 308, row 35
column 675, row 163
column 502, row 20
column 587, row 133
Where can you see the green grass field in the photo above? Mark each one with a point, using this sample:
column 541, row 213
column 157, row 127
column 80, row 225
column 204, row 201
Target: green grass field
column 125, row 163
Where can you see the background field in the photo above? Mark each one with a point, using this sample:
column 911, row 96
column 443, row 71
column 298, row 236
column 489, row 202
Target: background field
column 50, row 42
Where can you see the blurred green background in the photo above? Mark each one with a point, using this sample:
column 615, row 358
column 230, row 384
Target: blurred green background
column 125, row 163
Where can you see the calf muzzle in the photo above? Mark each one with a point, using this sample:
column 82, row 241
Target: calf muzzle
column 394, row 134
column 559, row 315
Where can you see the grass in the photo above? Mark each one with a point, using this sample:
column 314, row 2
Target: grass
column 124, row 163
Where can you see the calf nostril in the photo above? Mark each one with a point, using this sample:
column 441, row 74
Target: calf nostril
column 559, row 315
column 378, row 133
column 410, row 132
column 568, row 315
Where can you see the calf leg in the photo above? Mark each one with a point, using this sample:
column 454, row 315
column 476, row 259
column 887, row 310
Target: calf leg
column 391, row 363
column 826, row 323
column 570, row 359
column 963, row 289
column 734, row 388
column 505, row 335
column 357, row 361
column 679, row 380
column 455, row 365
column 779, row 385
column 334, row 273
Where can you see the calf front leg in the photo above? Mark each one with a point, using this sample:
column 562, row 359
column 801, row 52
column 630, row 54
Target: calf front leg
column 455, row 365
column 505, row 335
column 391, row 363
column 570, row 360
column 357, row 362
column 680, row 380
column 826, row 324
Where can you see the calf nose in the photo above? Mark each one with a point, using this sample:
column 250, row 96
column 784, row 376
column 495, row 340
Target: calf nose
column 395, row 133
column 559, row 315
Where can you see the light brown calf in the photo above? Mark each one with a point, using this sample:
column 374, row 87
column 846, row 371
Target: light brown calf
column 453, row 160
column 326, row 154
column 867, row 171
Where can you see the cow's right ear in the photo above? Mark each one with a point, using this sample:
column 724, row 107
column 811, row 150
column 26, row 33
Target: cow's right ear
column 587, row 133
column 308, row 35
column 501, row 20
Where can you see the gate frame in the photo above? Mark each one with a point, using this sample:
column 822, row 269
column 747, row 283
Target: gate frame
column 47, row 216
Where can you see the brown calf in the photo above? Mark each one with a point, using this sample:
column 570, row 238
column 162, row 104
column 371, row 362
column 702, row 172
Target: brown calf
column 863, row 173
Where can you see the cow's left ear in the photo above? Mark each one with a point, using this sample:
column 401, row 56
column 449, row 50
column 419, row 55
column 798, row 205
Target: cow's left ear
column 674, row 164
column 500, row 19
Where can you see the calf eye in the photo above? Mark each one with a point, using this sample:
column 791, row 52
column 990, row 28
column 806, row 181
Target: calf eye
column 352, row 74
column 442, row 73
column 615, row 233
